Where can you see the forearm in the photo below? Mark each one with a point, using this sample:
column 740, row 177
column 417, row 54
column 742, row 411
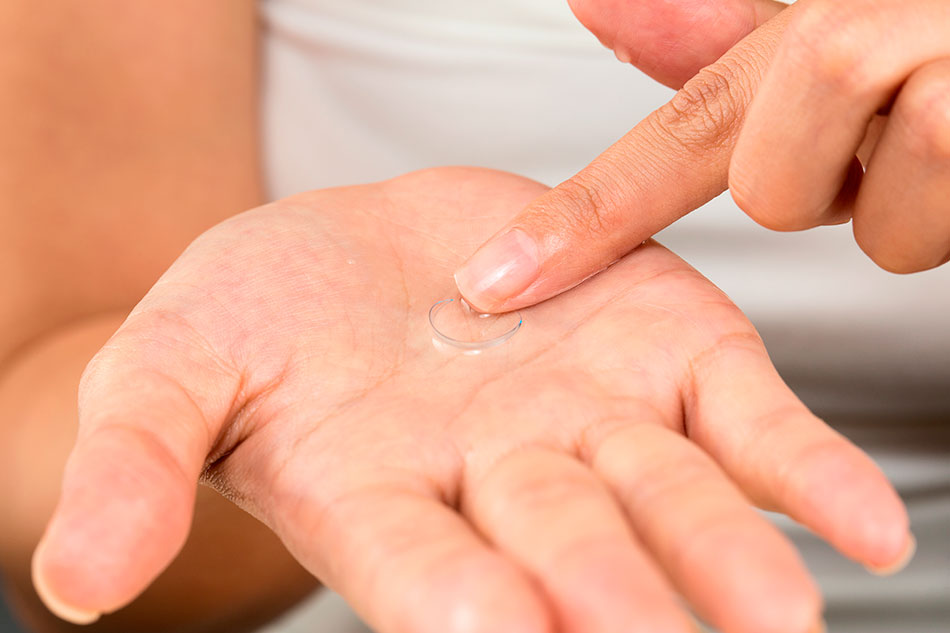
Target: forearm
column 233, row 573
column 126, row 129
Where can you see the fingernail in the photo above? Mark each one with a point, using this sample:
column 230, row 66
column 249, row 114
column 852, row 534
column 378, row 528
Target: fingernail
column 902, row 562
column 59, row 608
column 499, row 270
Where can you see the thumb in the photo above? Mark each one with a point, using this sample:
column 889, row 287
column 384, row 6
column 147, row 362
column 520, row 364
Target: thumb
column 672, row 41
column 672, row 162
column 130, row 482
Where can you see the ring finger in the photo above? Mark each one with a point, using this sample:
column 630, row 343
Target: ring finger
column 728, row 561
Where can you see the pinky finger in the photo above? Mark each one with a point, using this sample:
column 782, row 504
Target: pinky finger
column 787, row 459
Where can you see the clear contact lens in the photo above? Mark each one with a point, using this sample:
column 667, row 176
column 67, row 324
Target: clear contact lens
column 455, row 323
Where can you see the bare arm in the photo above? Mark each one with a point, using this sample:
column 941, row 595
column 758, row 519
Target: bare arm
column 126, row 129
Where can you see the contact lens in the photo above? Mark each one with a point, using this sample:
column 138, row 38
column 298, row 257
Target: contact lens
column 455, row 323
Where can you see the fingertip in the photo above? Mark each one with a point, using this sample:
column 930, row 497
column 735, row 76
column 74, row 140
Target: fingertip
column 898, row 564
column 879, row 535
column 862, row 515
column 485, row 595
column 771, row 589
column 495, row 618
column 797, row 608
column 886, row 541
column 501, row 269
column 59, row 606
column 123, row 515
column 793, row 604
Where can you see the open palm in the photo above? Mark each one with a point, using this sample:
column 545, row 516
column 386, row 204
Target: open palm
column 575, row 478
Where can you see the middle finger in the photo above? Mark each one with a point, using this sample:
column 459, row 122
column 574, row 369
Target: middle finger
column 551, row 514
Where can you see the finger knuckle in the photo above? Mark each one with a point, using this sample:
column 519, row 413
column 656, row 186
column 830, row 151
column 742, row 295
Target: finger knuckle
column 584, row 204
column 521, row 481
column 894, row 257
column 880, row 234
column 744, row 191
column 829, row 42
column 897, row 263
column 706, row 113
column 924, row 112
column 536, row 494
column 758, row 204
column 92, row 374
column 742, row 340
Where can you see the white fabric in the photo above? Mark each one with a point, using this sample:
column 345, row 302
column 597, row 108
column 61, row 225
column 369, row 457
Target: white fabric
column 362, row 90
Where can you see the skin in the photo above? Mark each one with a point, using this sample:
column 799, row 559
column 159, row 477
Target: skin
column 232, row 574
column 126, row 129
column 575, row 479
column 854, row 94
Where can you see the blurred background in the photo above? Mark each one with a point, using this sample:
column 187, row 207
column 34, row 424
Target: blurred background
column 7, row 623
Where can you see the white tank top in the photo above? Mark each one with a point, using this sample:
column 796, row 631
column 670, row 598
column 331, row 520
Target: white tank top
column 362, row 90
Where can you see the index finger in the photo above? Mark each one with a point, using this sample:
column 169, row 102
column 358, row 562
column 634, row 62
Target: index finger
column 672, row 162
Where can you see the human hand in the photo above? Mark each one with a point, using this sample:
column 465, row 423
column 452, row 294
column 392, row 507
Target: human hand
column 572, row 479
column 782, row 119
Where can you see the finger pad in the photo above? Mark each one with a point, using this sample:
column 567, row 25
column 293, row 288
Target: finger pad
column 482, row 594
column 849, row 500
column 769, row 589
column 121, row 520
